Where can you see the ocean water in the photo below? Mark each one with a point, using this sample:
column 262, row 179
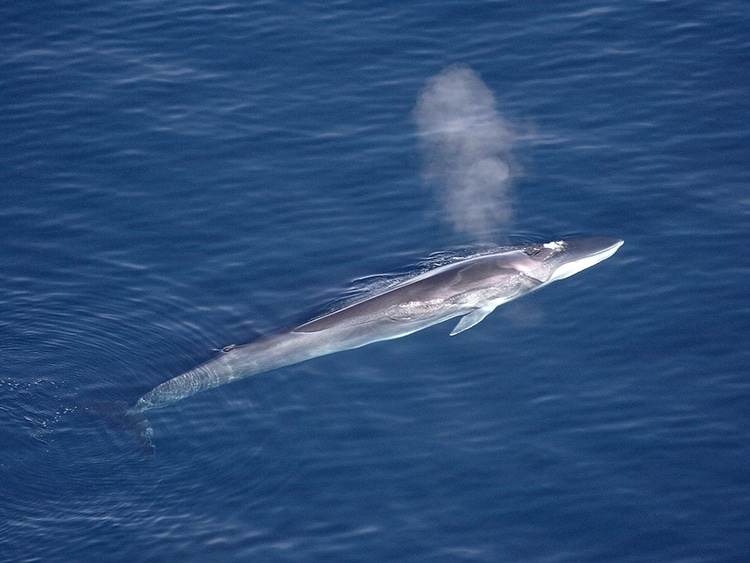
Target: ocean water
column 176, row 177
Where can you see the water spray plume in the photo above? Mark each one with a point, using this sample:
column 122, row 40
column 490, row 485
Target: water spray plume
column 466, row 144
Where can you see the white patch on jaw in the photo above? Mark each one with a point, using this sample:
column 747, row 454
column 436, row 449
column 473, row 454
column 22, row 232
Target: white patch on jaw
column 555, row 245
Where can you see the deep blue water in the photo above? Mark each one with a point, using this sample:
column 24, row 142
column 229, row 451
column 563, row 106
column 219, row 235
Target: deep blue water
column 175, row 177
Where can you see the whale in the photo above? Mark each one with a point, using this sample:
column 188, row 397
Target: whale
column 468, row 288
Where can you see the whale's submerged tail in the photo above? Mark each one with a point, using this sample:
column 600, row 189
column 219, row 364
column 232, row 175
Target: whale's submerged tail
column 128, row 422
column 136, row 420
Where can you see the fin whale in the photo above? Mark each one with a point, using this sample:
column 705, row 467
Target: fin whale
column 469, row 288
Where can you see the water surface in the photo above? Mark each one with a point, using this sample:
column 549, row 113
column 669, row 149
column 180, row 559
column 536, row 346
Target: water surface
column 174, row 179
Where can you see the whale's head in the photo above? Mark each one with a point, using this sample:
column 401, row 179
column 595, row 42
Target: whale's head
column 561, row 259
